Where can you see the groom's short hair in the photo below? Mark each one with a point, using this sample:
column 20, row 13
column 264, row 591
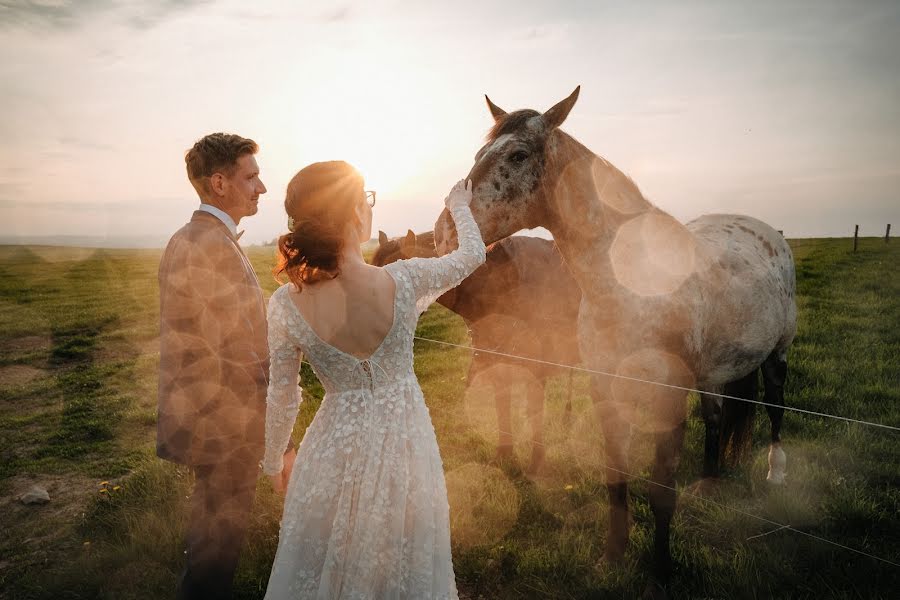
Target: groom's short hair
column 215, row 153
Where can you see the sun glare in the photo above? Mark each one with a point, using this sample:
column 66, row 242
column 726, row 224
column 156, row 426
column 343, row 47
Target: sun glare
column 369, row 116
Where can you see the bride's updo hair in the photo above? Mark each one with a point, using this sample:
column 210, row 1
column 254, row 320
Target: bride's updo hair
column 320, row 202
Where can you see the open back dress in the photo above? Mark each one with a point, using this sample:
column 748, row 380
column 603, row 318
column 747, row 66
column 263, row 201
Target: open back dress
column 366, row 512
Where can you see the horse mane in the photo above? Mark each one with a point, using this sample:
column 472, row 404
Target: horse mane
column 578, row 150
column 510, row 123
column 425, row 239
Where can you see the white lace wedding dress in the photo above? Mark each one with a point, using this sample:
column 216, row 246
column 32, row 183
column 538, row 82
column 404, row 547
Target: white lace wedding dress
column 366, row 513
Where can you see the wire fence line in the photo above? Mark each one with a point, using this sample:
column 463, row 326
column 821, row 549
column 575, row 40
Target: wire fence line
column 658, row 383
column 778, row 526
column 683, row 492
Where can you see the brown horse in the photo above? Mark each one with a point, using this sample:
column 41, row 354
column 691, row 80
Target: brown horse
column 701, row 305
column 521, row 302
column 503, row 313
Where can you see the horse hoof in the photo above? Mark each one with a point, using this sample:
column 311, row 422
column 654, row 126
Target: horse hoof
column 610, row 559
column 504, row 452
column 654, row 591
column 605, row 567
column 703, row 488
column 776, row 478
column 777, row 464
column 537, row 461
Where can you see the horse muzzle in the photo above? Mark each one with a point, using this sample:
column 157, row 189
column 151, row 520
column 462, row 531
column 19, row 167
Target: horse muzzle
column 445, row 237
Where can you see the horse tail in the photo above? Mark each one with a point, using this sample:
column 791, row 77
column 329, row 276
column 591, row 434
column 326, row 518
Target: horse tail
column 736, row 428
column 567, row 415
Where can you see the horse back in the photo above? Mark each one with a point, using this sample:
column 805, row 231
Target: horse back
column 748, row 293
column 522, row 301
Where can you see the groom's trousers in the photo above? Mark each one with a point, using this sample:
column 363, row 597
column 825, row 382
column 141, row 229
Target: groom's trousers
column 220, row 513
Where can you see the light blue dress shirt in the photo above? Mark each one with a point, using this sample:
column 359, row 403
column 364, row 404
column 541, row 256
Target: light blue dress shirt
column 222, row 216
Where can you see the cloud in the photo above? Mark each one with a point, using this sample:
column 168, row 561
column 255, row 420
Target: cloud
column 160, row 11
column 64, row 15
column 337, row 15
column 548, row 36
column 54, row 15
column 648, row 108
column 830, row 177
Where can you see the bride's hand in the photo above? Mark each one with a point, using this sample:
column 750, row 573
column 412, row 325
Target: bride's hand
column 460, row 194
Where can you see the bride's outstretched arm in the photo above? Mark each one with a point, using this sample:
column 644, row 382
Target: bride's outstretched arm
column 434, row 276
column 283, row 397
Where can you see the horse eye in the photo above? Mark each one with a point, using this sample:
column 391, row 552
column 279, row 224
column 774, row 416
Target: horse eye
column 518, row 156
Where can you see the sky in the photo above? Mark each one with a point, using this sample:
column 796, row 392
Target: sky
column 786, row 111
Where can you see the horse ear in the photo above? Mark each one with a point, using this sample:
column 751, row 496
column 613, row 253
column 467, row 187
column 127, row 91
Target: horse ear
column 410, row 240
column 382, row 238
column 555, row 116
column 496, row 111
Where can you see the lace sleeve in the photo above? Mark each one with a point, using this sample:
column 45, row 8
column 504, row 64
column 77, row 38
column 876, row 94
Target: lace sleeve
column 433, row 276
column 284, row 396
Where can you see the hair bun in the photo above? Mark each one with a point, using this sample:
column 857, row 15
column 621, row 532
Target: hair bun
column 321, row 201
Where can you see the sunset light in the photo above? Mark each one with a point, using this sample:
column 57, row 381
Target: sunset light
column 449, row 300
column 399, row 92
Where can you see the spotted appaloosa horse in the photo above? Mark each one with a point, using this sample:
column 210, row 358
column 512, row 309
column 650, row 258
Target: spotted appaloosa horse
column 702, row 305
column 522, row 302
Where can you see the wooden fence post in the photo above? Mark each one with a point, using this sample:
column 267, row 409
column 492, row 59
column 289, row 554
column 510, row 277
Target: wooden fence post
column 855, row 237
column 887, row 234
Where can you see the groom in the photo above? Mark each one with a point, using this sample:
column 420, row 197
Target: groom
column 214, row 361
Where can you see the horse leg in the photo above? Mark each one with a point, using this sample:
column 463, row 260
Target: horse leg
column 774, row 371
column 737, row 417
column 504, row 423
column 616, row 436
column 711, row 408
column 662, row 502
column 536, row 419
column 567, row 415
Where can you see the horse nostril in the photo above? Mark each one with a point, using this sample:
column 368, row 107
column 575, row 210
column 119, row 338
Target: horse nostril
column 445, row 239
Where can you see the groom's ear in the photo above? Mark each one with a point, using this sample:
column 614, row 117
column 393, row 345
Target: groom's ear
column 217, row 184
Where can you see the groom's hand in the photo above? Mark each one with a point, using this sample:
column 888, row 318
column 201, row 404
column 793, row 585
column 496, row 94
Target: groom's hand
column 277, row 483
column 289, row 458
column 280, row 481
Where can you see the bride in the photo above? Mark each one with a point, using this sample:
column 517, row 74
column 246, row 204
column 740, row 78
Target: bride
column 365, row 513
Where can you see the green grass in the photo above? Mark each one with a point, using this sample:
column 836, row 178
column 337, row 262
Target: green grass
column 77, row 409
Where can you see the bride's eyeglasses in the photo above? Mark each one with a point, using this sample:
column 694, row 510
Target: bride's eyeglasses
column 370, row 198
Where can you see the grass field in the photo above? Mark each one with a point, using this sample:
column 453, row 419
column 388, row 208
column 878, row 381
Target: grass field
column 77, row 415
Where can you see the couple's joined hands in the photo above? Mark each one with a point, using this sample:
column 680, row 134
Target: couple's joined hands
column 280, row 481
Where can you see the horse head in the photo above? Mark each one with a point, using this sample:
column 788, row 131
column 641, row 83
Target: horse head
column 408, row 246
column 508, row 175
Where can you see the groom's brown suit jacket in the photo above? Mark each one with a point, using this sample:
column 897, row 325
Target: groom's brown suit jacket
column 214, row 360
